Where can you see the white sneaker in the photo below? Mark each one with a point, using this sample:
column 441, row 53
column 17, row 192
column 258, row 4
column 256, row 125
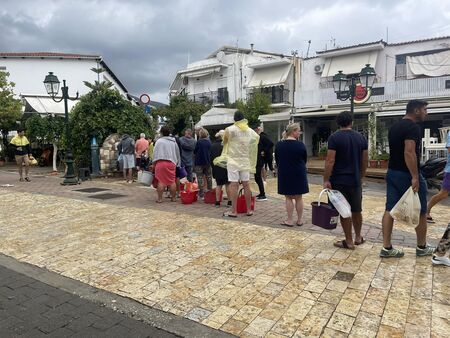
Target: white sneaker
column 438, row 260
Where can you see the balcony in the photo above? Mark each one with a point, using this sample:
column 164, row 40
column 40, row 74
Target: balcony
column 276, row 94
column 212, row 97
column 388, row 91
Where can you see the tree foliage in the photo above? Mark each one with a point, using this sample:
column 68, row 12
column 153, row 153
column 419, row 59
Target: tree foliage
column 179, row 110
column 48, row 129
column 258, row 104
column 98, row 84
column 102, row 112
column 10, row 107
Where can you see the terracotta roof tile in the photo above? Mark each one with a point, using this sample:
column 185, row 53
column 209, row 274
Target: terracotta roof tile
column 50, row 55
column 352, row 46
column 421, row 40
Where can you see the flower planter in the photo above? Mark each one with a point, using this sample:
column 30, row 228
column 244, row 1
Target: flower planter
column 373, row 163
column 384, row 164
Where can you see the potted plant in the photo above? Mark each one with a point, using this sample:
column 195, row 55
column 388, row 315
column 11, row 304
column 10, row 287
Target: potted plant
column 384, row 160
column 373, row 163
column 323, row 152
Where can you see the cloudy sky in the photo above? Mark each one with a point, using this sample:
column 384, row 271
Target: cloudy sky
column 146, row 42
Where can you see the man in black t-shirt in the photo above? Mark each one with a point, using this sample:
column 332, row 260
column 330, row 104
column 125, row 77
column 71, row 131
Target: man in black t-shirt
column 404, row 146
column 345, row 167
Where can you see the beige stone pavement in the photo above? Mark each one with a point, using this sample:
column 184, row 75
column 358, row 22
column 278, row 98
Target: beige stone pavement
column 249, row 280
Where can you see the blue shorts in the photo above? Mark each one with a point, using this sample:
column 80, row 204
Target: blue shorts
column 397, row 182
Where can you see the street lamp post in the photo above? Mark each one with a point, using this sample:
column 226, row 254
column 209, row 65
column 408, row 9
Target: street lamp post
column 346, row 88
column 51, row 83
column 294, row 54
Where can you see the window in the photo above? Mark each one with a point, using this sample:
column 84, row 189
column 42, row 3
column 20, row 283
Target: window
column 400, row 67
column 277, row 94
column 222, row 95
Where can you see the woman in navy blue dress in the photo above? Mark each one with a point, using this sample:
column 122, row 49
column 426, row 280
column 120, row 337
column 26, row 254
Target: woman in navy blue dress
column 290, row 156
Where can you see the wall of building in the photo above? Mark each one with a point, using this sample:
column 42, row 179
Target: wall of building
column 389, row 53
column 29, row 73
column 234, row 76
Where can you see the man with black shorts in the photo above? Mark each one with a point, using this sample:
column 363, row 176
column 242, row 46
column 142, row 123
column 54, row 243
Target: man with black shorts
column 345, row 166
column 405, row 138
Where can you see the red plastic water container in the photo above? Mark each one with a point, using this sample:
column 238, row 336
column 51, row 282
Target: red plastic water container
column 188, row 197
column 210, row 197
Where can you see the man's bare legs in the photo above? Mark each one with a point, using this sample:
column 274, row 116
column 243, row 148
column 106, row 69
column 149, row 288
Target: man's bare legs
column 387, row 224
column 421, row 231
column 233, row 190
column 248, row 197
column 357, row 226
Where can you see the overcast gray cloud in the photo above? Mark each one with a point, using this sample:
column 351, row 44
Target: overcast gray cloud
column 146, row 42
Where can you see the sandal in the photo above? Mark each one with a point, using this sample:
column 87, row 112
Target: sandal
column 430, row 220
column 21, row 179
column 27, row 179
column 250, row 213
column 158, row 201
column 343, row 245
column 299, row 224
column 360, row 242
column 228, row 214
column 286, row 224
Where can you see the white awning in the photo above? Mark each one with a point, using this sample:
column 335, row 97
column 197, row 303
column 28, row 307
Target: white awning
column 176, row 84
column 272, row 76
column 274, row 117
column 217, row 116
column 349, row 64
column 437, row 64
column 200, row 73
column 46, row 105
column 402, row 112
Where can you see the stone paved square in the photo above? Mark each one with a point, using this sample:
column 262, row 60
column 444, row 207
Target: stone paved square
column 247, row 279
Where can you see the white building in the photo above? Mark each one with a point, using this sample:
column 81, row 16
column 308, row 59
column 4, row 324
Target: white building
column 408, row 70
column 232, row 73
column 28, row 70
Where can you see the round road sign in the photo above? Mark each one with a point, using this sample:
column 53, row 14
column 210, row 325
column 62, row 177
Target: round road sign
column 144, row 98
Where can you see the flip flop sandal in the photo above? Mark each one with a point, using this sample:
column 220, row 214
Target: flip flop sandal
column 430, row 220
column 362, row 241
column 286, row 224
column 343, row 245
column 299, row 224
column 27, row 179
column 226, row 214
column 250, row 213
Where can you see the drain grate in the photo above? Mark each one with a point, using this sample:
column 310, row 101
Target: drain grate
column 106, row 196
column 344, row 276
column 91, row 190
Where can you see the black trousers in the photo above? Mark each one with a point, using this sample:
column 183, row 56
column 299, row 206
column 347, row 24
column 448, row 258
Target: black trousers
column 258, row 178
column 269, row 160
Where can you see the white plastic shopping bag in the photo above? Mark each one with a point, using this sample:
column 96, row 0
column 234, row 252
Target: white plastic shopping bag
column 340, row 203
column 407, row 208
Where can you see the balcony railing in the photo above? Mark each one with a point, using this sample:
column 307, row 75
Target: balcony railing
column 213, row 97
column 388, row 91
column 276, row 95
